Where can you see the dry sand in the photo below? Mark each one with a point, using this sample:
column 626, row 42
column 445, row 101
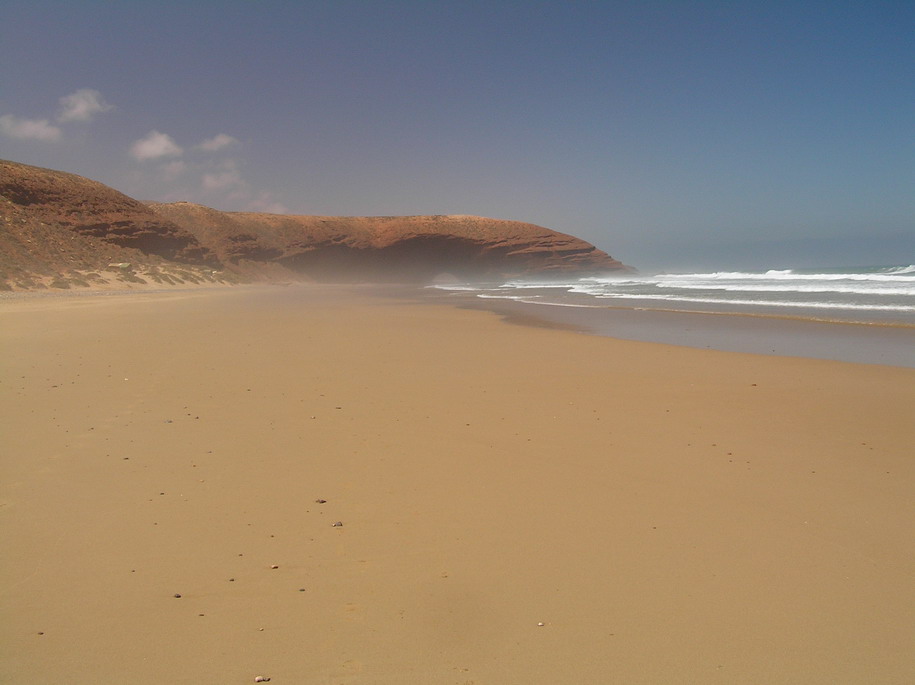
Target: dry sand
column 669, row 515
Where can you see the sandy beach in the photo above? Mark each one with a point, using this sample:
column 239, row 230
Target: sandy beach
column 517, row 504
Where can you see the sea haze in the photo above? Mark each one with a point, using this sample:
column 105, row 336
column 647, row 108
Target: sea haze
column 794, row 312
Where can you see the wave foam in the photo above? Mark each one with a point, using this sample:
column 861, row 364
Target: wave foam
column 768, row 303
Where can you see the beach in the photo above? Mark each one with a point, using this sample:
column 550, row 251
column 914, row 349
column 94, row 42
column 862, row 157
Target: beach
column 320, row 485
column 853, row 314
column 889, row 344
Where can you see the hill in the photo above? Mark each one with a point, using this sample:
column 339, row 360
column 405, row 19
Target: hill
column 60, row 230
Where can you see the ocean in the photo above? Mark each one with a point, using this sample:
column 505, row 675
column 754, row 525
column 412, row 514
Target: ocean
column 780, row 311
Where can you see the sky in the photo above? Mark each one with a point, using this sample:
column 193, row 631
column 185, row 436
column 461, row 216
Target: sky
column 671, row 134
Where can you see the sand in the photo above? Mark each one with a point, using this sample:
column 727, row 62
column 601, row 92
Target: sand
column 518, row 504
column 889, row 343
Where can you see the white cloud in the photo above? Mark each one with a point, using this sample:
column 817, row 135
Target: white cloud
column 223, row 180
column 275, row 208
column 35, row 129
column 264, row 202
column 173, row 170
column 82, row 105
column 155, row 145
column 217, row 142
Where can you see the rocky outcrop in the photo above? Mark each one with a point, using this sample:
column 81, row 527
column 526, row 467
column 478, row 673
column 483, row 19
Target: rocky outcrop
column 86, row 208
column 55, row 222
column 389, row 248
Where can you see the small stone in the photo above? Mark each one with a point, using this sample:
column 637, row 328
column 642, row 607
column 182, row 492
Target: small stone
column 338, row 524
column 540, row 624
column 261, row 679
column 177, row 596
column 301, row 589
column 321, row 501
column 274, row 566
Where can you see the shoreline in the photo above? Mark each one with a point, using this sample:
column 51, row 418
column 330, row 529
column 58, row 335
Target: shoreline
column 887, row 343
column 883, row 343
column 518, row 504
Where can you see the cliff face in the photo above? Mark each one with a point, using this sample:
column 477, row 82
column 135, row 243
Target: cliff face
column 404, row 248
column 54, row 223
column 52, row 216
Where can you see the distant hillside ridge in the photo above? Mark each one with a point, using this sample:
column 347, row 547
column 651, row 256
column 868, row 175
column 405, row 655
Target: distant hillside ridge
column 388, row 248
column 59, row 229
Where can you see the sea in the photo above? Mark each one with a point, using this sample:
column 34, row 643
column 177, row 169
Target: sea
column 775, row 311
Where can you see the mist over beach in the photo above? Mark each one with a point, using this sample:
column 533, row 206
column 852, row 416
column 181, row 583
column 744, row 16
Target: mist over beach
column 473, row 343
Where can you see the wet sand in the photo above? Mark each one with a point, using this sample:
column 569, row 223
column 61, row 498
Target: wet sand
column 888, row 343
column 669, row 515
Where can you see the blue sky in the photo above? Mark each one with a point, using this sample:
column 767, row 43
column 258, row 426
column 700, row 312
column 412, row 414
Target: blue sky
column 670, row 134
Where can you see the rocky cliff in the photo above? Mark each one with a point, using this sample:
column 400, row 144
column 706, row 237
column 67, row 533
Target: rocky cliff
column 388, row 248
column 79, row 207
column 57, row 225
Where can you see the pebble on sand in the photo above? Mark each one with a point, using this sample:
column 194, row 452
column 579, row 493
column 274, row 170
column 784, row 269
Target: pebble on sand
column 338, row 524
column 261, row 679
